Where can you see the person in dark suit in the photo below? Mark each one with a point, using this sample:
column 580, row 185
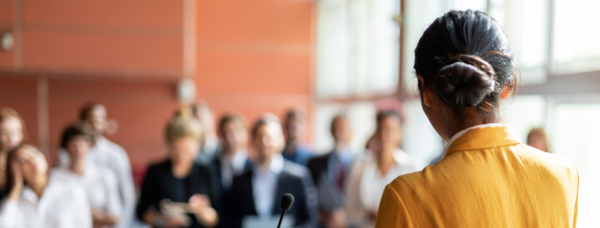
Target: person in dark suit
column 179, row 182
column 293, row 129
column 258, row 192
column 232, row 160
column 329, row 172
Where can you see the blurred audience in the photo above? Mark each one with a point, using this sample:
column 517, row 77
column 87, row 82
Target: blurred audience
column 537, row 139
column 210, row 144
column 294, row 128
column 232, row 160
column 370, row 174
column 257, row 193
column 179, row 192
column 99, row 183
column 329, row 172
column 109, row 155
column 12, row 133
column 36, row 200
column 204, row 182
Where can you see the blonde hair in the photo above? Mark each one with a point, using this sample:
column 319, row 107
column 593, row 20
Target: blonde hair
column 7, row 113
column 181, row 125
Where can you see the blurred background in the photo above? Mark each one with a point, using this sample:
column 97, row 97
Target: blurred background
column 142, row 59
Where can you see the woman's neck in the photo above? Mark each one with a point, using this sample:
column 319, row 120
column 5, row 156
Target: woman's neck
column 385, row 160
column 182, row 170
column 78, row 167
column 39, row 184
column 472, row 119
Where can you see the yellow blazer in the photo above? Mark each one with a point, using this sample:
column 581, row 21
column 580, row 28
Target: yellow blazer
column 487, row 178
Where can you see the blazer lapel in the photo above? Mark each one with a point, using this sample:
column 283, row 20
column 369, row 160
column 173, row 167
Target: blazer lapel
column 168, row 180
column 247, row 191
column 280, row 190
column 195, row 185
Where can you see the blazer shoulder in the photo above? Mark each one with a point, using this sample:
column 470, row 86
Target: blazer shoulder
column 411, row 181
column 319, row 158
column 245, row 176
column 318, row 161
column 241, row 183
column 202, row 167
column 550, row 161
column 158, row 167
column 295, row 169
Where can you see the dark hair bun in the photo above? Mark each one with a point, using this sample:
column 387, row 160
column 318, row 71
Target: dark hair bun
column 465, row 81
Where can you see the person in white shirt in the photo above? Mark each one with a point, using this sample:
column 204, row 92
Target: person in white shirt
column 100, row 183
column 36, row 200
column 210, row 145
column 109, row 155
column 376, row 169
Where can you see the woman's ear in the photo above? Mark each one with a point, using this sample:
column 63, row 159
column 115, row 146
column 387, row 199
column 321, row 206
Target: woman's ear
column 426, row 94
column 506, row 91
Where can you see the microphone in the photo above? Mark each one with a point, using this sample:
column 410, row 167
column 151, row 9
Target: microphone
column 286, row 203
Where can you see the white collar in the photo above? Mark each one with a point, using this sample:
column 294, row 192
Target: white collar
column 29, row 195
column 237, row 160
column 211, row 141
column 102, row 141
column 463, row 132
column 275, row 167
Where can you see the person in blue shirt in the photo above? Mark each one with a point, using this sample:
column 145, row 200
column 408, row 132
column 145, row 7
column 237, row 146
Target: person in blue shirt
column 294, row 126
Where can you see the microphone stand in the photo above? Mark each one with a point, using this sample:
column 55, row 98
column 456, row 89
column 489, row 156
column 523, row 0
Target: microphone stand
column 281, row 218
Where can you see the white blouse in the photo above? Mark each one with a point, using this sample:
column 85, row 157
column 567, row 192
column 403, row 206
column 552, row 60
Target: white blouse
column 100, row 185
column 112, row 156
column 62, row 205
column 366, row 184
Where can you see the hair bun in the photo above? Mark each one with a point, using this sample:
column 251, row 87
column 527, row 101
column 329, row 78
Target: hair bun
column 465, row 82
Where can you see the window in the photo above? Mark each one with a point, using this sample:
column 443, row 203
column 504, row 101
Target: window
column 577, row 37
column 357, row 47
column 575, row 133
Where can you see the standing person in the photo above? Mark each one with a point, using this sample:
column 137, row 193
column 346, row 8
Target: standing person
column 110, row 155
column 370, row 174
column 179, row 181
column 210, row 144
column 99, row 183
column 537, row 139
column 293, row 129
column 12, row 133
column 487, row 177
column 36, row 200
column 330, row 171
column 258, row 192
column 232, row 160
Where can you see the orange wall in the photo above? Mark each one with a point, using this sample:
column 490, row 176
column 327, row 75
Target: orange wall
column 250, row 56
column 140, row 108
column 254, row 56
column 133, row 38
